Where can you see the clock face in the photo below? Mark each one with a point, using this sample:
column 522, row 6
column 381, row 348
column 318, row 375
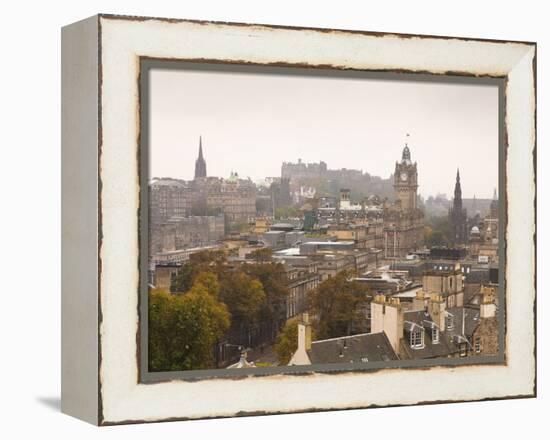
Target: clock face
column 404, row 176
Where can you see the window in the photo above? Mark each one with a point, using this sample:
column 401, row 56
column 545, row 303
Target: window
column 449, row 322
column 435, row 335
column 463, row 351
column 417, row 338
column 364, row 359
column 477, row 344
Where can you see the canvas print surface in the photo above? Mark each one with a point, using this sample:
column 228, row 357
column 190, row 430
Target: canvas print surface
column 315, row 219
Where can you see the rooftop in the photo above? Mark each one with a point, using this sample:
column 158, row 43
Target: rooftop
column 366, row 347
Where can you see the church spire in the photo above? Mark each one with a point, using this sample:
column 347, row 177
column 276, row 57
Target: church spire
column 457, row 202
column 200, row 163
column 458, row 216
column 200, row 148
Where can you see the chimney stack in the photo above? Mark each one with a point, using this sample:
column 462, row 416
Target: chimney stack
column 487, row 308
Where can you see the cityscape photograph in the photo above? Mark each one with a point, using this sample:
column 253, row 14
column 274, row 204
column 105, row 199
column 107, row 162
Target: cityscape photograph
column 315, row 219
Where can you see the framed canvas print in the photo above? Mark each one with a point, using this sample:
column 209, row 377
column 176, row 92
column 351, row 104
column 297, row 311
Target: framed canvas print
column 262, row 219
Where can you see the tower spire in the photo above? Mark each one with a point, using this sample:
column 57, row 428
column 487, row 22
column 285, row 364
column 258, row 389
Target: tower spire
column 200, row 163
column 458, row 192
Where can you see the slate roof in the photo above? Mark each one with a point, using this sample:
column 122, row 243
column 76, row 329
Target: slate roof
column 471, row 320
column 445, row 347
column 477, row 276
column 366, row 347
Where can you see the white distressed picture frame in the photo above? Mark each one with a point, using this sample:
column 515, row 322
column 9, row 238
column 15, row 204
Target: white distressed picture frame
column 101, row 203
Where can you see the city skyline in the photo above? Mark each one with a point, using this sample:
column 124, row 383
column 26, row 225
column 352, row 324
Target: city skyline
column 262, row 131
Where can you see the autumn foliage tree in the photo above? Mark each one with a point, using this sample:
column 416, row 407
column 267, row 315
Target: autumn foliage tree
column 244, row 297
column 183, row 329
column 338, row 306
column 255, row 294
column 206, row 261
column 275, row 285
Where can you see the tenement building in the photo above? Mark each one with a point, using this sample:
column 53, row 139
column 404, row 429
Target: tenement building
column 403, row 220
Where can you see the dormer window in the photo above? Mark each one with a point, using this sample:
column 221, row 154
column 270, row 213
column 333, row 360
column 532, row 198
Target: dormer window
column 435, row 335
column 417, row 338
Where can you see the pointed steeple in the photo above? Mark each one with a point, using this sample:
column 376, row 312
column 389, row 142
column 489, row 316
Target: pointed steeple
column 458, row 216
column 406, row 156
column 457, row 202
column 200, row 148
column 200, row 163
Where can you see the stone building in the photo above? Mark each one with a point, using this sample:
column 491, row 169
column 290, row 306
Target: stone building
column 403, row 220
column 301, row 170
column 445, row 279
column 204, row 196
column 234, row 197
column 427, row 329
column 169, row 198
column 485, row 335
column 185, row 232
column 302, row 279
column 483, row 242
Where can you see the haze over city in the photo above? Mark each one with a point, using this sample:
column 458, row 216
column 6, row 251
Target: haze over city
column 251, row 123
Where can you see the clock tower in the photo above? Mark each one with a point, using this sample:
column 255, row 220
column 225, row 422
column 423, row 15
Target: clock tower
column 405, row 182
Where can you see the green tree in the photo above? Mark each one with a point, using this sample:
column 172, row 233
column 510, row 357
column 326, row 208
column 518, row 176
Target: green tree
column 244, row 297
column 338, row 305
column 274, row 282
column 287, row 342
column 205, row 261
column 183, row 329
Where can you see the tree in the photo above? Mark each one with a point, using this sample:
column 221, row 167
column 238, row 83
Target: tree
column 275, row 285
column 205, row 261
column 338, row 305
column 287, row 342
column 183, row 329
column 244, row 297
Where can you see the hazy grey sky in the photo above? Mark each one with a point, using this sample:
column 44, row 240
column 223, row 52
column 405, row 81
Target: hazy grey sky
column 252, row 123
